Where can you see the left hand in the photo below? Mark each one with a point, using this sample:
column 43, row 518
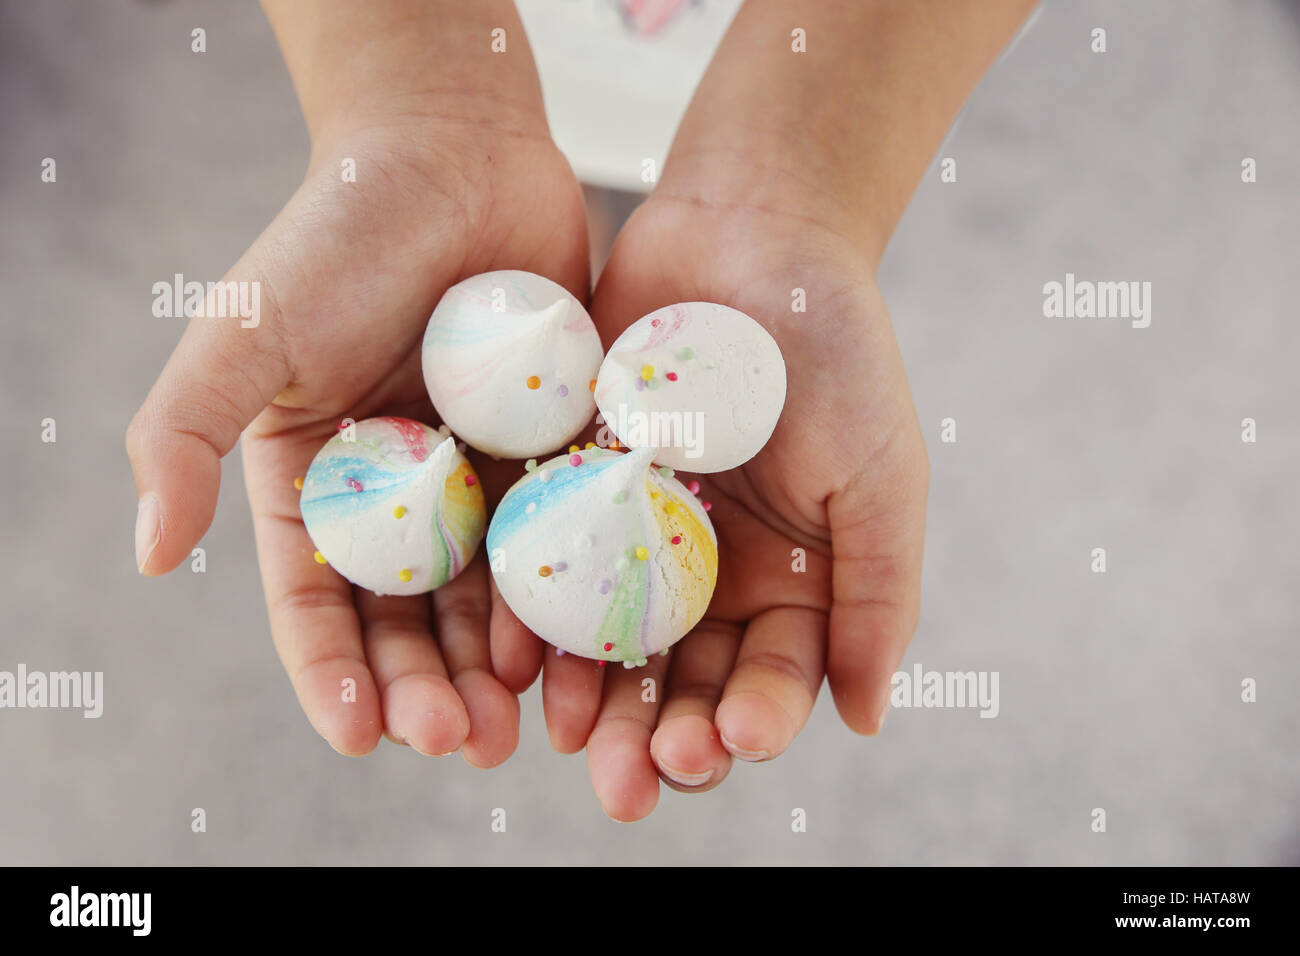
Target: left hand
column 844, row 477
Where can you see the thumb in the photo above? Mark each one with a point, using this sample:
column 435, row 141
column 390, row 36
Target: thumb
column 227, row 367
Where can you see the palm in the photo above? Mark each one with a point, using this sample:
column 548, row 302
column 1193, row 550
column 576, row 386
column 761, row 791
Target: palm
column 372, row 258
column 844, row 473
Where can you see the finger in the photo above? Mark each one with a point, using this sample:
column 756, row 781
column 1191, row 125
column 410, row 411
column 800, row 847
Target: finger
column 461, row 608
column 420, row 706
column 216, row 381
column 571, row 693
column 876, row 586
column 313, row 618
column 771, row 692
column 618, row 751
column 686, row 747
column 516, row 651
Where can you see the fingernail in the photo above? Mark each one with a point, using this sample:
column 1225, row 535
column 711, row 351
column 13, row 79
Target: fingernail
column 880, row 718
column 148, row 528
column 684, row 779
column 751, row 755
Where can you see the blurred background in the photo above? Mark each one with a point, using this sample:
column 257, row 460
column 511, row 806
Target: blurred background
column 1119, row 691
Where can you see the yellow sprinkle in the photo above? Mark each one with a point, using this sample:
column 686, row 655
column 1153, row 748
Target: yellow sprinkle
column 320, row 558
column 544, row 570
column 647, row 372
column 574, row 448
column 670, row 508
column 398, row 511
column 591, row 386
column 590, row 444
column 533, row 382
column 297, row 483
column 642, row 553
column 404, row 574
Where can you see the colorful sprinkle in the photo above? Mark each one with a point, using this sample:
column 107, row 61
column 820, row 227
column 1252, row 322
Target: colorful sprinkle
column 297, row 483
column 352, row 483
column 693, row 487
column 677, row 539
column 707, row 505
column 561, row 566
column 590, row 445
column 573, row 448
column 640, row 662
column 530, row 464
column 559, row 652
column 640, row 384
column 652, row 384
column 642, row 553
column 603, row 587
column 666, row 472
column 405, row 574
column 671, row 376
column 399, row 511
column 320, row 558
column 620, row 563
column 562, row 391
column 545, row 474
column 575, row 460
column 670, row 508
column 655, row 323
column 533, row 382
column 600, row 663
column 591, row 386
column 470, row 481
column 647, row 372
column 608, row 646
column 544, row 571
column 628, row 665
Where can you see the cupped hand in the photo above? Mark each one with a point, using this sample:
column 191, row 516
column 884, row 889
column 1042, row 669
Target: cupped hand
column 820, row 535
column 349, row 273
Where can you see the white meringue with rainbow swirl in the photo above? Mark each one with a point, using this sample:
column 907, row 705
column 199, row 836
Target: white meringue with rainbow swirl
column 604, row 555
column 510, row 359
column 393, row 506
column 702, row 382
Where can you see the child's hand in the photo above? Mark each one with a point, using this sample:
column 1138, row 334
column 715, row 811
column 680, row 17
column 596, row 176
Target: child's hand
column 449, row 183
column 844, row 475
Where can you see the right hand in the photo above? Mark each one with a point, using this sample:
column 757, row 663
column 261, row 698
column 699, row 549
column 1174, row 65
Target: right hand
column 349, row 273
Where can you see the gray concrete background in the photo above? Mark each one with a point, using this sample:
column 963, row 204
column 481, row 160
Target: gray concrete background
column 1119, row 691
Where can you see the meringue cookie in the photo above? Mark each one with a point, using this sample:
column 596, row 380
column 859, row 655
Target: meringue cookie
column 702, row 382
column 510, row 359
column 603, row 555
column 393, row 506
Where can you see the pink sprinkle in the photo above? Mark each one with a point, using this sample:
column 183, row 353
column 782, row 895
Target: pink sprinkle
column 471, row 481
column 563, row 390
column 693, row 487
column 677, row 539
column 353, row 484
column 559, row 652
column 671, row 376
column 600, row 663
column 575, row 460
column 708, row 505
column 655, row 323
